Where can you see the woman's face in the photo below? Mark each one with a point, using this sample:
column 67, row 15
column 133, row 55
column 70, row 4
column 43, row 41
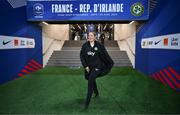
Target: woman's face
column 91, row 37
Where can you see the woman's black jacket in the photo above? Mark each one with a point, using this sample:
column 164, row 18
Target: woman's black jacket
column 96, row 57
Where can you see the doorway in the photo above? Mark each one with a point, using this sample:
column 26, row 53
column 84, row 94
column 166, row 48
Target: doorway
column 79, row 31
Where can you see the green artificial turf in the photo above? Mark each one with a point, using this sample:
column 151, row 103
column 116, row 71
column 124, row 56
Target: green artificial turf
column 63, row 90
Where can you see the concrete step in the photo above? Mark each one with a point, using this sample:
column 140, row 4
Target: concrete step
column 78, row 61
column 70, row 43
column 79, row 65
column 78, row 55
column 79, row 48
column 112, row 50
column 78, row 52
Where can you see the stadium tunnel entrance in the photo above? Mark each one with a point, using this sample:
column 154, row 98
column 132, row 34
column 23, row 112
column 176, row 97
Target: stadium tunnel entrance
column 55, row 35
column 66, row 24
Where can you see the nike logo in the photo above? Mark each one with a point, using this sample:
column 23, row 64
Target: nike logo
column 4, row 43
column 157, row 42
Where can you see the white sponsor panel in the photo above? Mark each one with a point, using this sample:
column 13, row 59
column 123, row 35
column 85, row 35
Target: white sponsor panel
column 9, row 42
column 171, row 41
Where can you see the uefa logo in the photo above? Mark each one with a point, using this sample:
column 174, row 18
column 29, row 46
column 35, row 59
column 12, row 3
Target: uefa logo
column 137, row 9
column 38, row 9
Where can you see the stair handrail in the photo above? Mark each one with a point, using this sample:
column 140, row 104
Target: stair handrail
column 125, row 39
column 48, row 47
column 129, row 47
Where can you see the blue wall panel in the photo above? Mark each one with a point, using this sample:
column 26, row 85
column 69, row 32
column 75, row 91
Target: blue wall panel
column 13, row 61
column 163, row 20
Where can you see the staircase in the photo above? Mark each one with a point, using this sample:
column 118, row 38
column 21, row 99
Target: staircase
column 69, row 56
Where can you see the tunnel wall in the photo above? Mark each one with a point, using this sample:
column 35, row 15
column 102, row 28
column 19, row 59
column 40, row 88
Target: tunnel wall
column 16, row 63
column 161, row 64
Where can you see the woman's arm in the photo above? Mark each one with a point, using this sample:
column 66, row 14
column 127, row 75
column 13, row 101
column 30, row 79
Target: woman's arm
column 105, row 56
column 82, row 57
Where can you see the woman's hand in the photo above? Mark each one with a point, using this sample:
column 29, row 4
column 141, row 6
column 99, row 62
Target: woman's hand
column 87, row 69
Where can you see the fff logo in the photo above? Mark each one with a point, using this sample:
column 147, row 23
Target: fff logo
column 38, row 9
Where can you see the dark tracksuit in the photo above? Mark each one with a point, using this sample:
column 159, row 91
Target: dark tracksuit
column 99, row 62
column 102, row 38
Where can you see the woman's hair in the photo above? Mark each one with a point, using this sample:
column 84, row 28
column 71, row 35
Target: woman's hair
column 94, row 33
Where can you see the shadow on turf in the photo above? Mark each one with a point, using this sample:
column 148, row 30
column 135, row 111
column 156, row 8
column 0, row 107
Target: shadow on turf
column 77, row 105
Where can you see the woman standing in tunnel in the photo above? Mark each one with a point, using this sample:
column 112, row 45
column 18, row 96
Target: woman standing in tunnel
column 96, row 62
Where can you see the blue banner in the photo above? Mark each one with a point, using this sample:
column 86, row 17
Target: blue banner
column 87, row 10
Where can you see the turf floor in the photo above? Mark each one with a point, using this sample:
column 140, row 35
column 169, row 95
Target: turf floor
column 63, row 90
